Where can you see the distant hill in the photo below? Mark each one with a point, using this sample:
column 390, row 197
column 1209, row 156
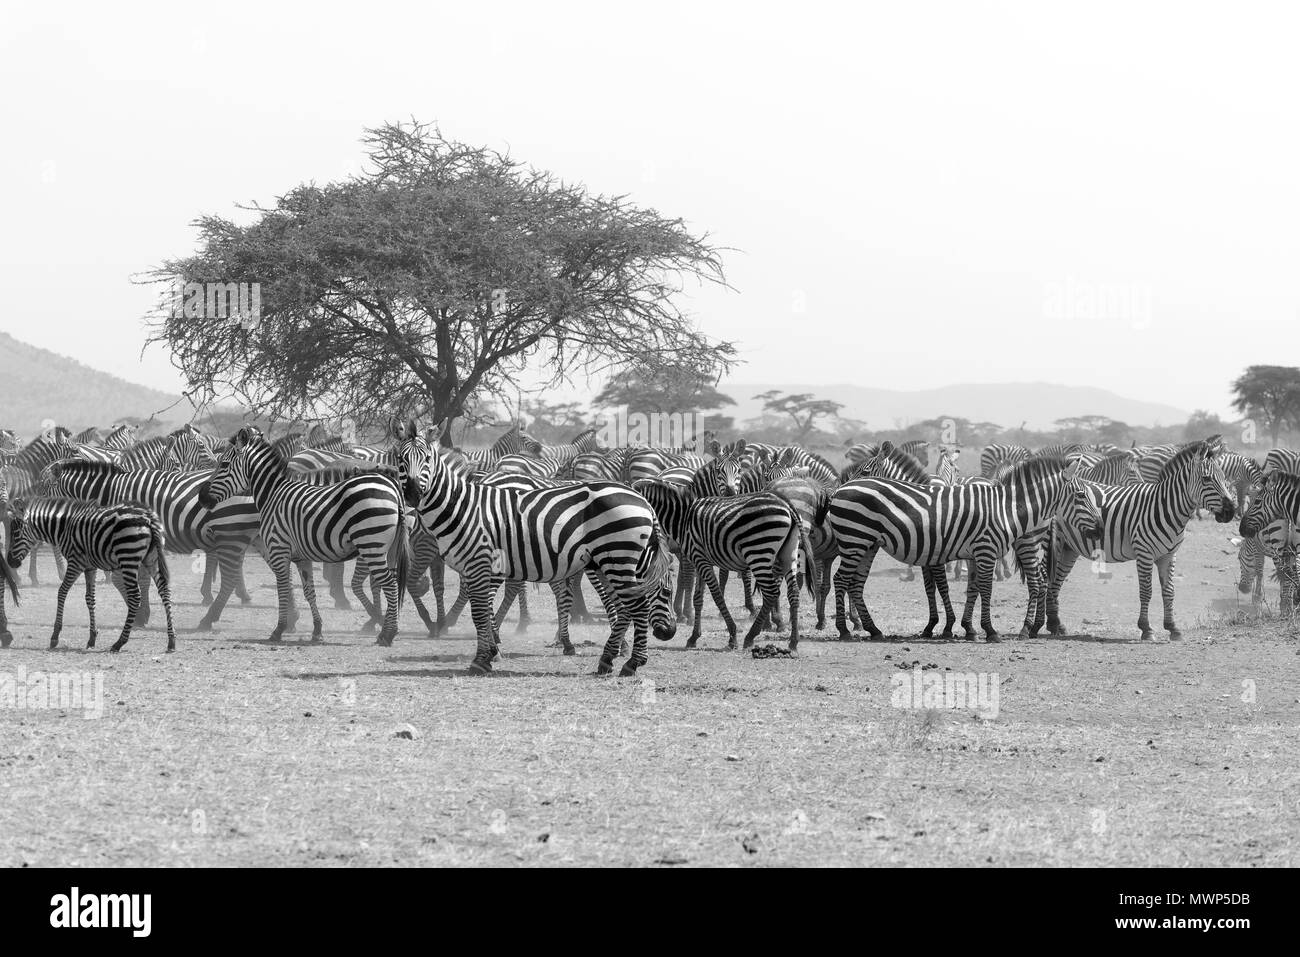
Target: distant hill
column 36, row 384
column 1007, row 404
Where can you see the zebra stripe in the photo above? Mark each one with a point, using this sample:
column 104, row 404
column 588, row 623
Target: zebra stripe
column 1278, row 541
column 124, row 539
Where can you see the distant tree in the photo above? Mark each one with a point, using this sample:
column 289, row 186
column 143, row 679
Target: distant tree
column 676, row 389
column 1271, row 393
column 442, row 273
column 802, row 409
column 1202, row 424
column 553, row 421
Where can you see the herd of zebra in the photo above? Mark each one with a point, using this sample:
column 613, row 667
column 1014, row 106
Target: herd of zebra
column 628, row 520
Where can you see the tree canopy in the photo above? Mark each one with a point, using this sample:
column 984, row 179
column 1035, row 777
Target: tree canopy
column 1271, row 393
column 436, row 276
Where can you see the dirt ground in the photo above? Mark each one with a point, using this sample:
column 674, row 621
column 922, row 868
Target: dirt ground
column 1100, row 750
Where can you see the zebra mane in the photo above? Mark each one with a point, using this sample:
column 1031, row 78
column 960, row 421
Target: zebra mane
column 60, row 504
column 909, row 464
column 1035, row 468
column 1180, row 458
column 84, row 467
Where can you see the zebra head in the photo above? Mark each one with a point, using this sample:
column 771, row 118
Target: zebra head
column 1081, row 512
column 22, row 539
column 1278, row 497
column 414, row 462
column 233, row 472
column 719, row 476
column 1215, row 493
column 186, row 451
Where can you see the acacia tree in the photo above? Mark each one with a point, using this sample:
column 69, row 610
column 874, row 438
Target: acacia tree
column 1271, row 393
column 667, row 390
column 434, row 278
column 802, row 409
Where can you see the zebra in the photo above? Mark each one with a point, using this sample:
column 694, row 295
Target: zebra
column 606, row 465
column 523, row 463
column 1279, row 540
column 188, row 450
column 359, row 517
column 1144, row 522
column 561, row 457
column 1151, row 459
column 225, row 531
column 1243, row 473
column 90, row 436
column 1116, row 468
column 991, row 456
column 1278, row 499
column 492, row 534
column 24, row 472
column 513, row 441
column 648, row 463
column 932, row 525
column 1282, row 460
column 123, row 539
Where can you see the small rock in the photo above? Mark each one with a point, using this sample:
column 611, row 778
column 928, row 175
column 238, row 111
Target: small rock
column 406, row 732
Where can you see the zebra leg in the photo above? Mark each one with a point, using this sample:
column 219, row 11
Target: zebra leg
column 927, row 578
column 462, row 599
column 614, row 645
column 90, row 605
column 769, row 588
column 131, row 586
column 823, row 589
column 231, row 559
column 32, row 577
column 972, row 593
column 1144, row 564
column 1165, row 566
column 941, row 583
column 1064, row 564
column 279, row 562
column 360, row 576
column 309, row 592
column 209, row 575
column 908, row 574
column 6, row 636
column 858, row 593
column 390, row 584
column 68, row 578
column 638, row 609
column 333, row 572
column 513, row 590
column 477, row 587
column 683, row 600
column 747, row 583
column 984, row 569
column 774, row 622
column 792, row 589
column 525, row 619
column 563, row 591
column 578, row 611
column 163, row 581
column 709, row 576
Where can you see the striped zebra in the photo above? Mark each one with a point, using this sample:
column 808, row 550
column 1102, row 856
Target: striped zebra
column 1243, row 474
column 991, row 456
column 1279, row 541
column 121, row 437
column 932, row 525
column 123, row 539
column 524, row 463
column 1282, row 460
column 1144, row 522
column 188, row 450
column 513, row 441
column 605, row 465
column 947, row 472
column 359, row 517
column 1278, row 500
column 561, row 457
column 1151, row 459
column 90, row 436
column 188, row 526
column 760, row 532
column 491, row 535
column 1116, row 468
column 648, row 463
column 24, row 473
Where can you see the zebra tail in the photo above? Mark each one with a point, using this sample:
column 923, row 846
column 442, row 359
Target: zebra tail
column 399, row 554
column 810, row 563
column 1015, row 560
column 158, row 549
column 1051, row 551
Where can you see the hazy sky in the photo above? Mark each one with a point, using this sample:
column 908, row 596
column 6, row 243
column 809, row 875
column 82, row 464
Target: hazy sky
column 918, row 194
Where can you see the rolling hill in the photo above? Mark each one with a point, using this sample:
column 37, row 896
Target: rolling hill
column 36, row 384
column 1008, row 404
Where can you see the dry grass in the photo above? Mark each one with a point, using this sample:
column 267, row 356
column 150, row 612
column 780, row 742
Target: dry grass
column 1105, row 750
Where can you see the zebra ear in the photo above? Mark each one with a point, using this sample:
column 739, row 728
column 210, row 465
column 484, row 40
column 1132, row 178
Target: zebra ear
column 243, row 438
column 1072, row 470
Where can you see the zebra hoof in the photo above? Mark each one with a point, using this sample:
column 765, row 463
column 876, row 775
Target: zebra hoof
column 367, row 628
column 91, row 642
column 522, row 627
column 1175, row 634
column 54, row 642
column 1026, row 633
column 970, row 633
column 205, row 599
column 342, row 604
column 480, row 667
column 628, row 670
column 731, row 645
column 316, row 638
column 6, row 638
column 946, row 633
column 875, row 634
column 570, row 651
column 690, row 642
column 1146, row 634
column 843, row 634
column 275, row 636
column 117, row 646
column 993, row 637
column 605, row 666
column 245, row 599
